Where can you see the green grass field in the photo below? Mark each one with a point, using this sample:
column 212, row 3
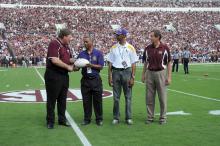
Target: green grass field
column 23, row 124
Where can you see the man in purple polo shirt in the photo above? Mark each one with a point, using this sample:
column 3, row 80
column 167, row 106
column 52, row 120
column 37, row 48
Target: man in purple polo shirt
column 156, row 59
column 56, row 77
column 91, row 82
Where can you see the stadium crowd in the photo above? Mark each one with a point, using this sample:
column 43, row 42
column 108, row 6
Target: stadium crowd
column 29, row 30
column 120, row 3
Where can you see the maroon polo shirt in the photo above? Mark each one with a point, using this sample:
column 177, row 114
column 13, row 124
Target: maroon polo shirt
column 157, row 58
column 61, row 51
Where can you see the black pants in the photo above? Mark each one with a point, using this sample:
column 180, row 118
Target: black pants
column 91, row 89
column 175, row 64
column 57, row 85
column 185, row 65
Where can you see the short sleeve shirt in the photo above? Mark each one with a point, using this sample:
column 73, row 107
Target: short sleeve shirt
column 186, row 54
column 157, row 58
column 96, row 57
column 119, row 54
column 61, row 51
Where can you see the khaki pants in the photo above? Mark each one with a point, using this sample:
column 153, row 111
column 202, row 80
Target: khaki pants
column 155, row 82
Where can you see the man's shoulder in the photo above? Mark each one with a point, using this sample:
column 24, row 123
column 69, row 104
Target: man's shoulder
column 54, row 43
column 98, row 52
column 131, row 47
column 165, row 46
column 81, row 53
column 114, row 46
column 149, row 46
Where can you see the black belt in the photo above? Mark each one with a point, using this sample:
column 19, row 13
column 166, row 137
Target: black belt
column 119, row 69
column 155, row 69
column 90, row 77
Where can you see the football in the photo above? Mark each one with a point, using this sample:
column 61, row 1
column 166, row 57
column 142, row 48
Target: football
column 81, row 62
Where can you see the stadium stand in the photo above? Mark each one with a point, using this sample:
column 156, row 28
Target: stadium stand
column 29, row 29
column 121, row 3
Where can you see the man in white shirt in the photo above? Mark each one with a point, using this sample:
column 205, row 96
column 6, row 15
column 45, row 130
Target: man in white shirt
column 122, row 60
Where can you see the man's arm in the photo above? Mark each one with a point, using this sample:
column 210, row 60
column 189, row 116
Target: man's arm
column 100, row 64
column 145, row 62
column 133, row 69
column 144, row 72
column 56, row 61
column 110, row 74
column 95, row 66
column 169, row 68
column 169, row 73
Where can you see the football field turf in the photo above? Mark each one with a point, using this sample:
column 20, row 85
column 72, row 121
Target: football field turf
column 23, row 124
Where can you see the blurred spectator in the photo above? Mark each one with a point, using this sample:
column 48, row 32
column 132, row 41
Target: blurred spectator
column 30, row 29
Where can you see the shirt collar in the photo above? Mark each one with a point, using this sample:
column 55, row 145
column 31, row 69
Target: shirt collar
column 93, row 50
column 64, row 45
column 125, row 45
column 160, row 46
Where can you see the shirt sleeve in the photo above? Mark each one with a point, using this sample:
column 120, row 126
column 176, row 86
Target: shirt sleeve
column 169, row 54
column 144, row 56
column 110, row 56
column 101, row 59
column 53, row 49
column 133, row 56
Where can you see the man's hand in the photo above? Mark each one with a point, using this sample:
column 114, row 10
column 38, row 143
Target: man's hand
column 72, row 60
column 89, row 65
column 168, row 81
column 131, row 82
column 110, row 82
column 70, row 68
column 76, row 68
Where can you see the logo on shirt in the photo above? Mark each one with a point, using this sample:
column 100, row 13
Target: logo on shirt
column 94, row 58
column 39, row 96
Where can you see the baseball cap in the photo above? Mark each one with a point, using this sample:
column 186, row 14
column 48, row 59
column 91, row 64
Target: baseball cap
column 121, row 31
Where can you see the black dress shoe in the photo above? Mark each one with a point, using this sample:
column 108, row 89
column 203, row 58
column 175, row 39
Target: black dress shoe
column 84, row 123
column 50, row 126
column 99, row 123
column 67, row 124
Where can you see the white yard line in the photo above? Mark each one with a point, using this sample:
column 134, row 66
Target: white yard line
column 181, row 92
column 191, row 76
column 73, row 124
column 205, row 78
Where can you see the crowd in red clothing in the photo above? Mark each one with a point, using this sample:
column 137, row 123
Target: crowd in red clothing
column 120, row 3
column 29, row 30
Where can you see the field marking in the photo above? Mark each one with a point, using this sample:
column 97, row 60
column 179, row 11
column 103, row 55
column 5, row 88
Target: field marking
column 73, row 124
column 27, row 85
column 214, row 112
column 189, row 94
column 191, row 76
column 198, row 77
column 176, row 113
column 3, row 70
column 181, row 92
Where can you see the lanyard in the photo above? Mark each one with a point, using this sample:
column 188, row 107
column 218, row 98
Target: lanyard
column 121, row 52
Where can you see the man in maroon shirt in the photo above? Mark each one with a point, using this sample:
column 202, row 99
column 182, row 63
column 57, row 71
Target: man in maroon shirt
column 156, row 59
column 56, row 77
